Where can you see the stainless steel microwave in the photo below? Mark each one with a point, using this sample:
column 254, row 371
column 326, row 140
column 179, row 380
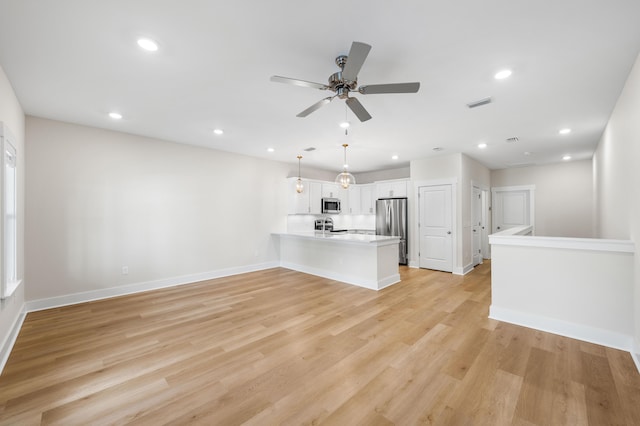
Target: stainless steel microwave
column 331, row 205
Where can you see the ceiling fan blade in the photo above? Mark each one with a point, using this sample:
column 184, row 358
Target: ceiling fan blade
column 355, row 59
column 373, row 89
column 358, row 109
column 296, row 82
column 315, row 106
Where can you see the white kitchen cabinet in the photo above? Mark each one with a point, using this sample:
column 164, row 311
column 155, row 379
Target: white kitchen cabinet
column 333, row 190
column 315, row 197
column 367, row 199
column 330, row 190
column 306, row 202
column 393, row 188
column 354, row 206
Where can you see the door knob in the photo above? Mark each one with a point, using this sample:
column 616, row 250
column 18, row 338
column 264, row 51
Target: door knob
column 449, row 232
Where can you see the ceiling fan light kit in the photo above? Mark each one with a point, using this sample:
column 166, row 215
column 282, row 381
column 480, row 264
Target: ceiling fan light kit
column 345, row 178
column 346, row 80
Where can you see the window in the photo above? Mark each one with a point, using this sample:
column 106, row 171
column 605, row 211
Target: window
column 10, row 218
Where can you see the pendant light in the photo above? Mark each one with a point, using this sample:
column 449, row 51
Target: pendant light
column 299, row 185
column 345, row 178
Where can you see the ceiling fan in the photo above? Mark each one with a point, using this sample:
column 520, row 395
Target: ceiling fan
column 346, row 80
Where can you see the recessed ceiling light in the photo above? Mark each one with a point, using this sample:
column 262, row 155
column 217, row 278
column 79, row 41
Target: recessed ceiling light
column 500, row 75
column 115, row 115
column 394, row 157
column 566, row 158
column 218, row 131
column 148, row 44
column 482, row 145
column 345, row 124
column 565, row 131
column 270, row 150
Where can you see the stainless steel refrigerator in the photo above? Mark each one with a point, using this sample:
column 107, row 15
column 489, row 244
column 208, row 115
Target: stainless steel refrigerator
column 391, row 219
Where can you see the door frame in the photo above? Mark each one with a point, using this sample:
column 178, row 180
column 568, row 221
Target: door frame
column 532, row 204
column 415, row 263
column 485, row 214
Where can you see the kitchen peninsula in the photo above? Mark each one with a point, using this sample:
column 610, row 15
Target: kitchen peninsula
column 369, row 261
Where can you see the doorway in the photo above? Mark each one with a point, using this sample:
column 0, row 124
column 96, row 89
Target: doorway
column 435, row 224
column 479, row 223
column 512, row 206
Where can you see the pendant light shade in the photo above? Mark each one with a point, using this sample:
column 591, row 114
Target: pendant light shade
column 299, row 185
column 345, row 178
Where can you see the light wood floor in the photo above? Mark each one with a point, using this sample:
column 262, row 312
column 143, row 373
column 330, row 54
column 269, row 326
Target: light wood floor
column 278, row 346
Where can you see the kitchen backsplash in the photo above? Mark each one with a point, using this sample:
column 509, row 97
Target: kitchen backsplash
column 302, row 223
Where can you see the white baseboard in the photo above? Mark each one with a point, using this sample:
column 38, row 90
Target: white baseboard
column 88, row 296
column 10, row 340
column 635, row 355
column 586, row 333
column 370, row 284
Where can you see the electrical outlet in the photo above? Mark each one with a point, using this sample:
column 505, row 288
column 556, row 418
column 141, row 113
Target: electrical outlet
column 125, row 270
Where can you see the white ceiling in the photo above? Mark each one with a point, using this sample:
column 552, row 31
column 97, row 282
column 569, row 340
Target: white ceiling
column 77, row 60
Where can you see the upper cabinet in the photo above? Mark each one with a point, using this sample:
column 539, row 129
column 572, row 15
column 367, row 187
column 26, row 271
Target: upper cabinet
column 330, row 190
column 354, row 200
column 367, row 199
column 306, row 202
column 392, row 189
column 357, row 199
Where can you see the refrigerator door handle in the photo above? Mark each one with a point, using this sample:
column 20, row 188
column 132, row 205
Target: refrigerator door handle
column 389, row 218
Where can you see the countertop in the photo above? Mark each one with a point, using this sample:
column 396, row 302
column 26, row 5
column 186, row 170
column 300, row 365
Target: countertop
column 342, row 238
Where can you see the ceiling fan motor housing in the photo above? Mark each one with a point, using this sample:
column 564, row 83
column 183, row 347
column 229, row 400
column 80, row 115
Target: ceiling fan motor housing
column 341, row 86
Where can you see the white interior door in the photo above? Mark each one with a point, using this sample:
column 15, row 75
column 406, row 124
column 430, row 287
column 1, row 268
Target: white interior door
column 435, row 225
column 476, row 225
column 512, row 207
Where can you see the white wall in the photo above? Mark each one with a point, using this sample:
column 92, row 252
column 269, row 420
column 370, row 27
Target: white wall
column 370, row 177
column 464, row 170
column 581, row 292
column 616, row 176
column 12, row 116
column 563, row 196
column 99, row 200
column 473, row 173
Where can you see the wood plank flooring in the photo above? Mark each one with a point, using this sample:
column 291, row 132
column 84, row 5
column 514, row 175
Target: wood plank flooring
column 281, row 347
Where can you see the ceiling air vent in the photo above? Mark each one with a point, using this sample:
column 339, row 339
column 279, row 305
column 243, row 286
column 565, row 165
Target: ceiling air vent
column 479, row 102
column 311, row 148
column 513, row 139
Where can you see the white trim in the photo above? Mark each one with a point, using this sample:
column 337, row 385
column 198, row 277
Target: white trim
column 563, row 328
column 88, row 296
column 434, row 182
column 484, row 211
column 514, row 188
column 592, row 244
column 464, row 270
column 468, row 268
column 369, row 284
column 10, row 340
column 454, row 216
column 635, row 355
column 532, row 203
